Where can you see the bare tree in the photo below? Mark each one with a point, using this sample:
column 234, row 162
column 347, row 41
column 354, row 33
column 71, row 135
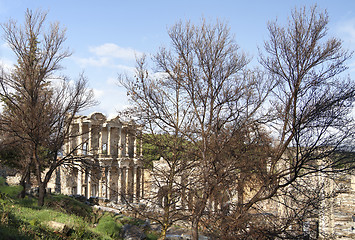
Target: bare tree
column 167, row 179
column 203, row 95
column 311, row 126
column 39, row 106
column 165, row 111
column 312, row 103
column 311, row 116
column 245, row 160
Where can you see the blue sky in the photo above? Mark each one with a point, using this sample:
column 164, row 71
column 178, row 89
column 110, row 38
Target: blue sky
column 105, row 35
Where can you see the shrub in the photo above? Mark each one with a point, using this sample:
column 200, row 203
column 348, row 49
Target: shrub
column 70, row 205
column 12, row 191
column 109, row 226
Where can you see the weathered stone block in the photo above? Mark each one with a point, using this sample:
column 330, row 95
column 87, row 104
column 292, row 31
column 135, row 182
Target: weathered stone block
column 58, row 227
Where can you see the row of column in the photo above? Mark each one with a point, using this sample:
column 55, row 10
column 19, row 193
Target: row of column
column 123, row 184
column 90, row 139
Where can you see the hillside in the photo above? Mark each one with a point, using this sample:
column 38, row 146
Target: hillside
column 61, row 217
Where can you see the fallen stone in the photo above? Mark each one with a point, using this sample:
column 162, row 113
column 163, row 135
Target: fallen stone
column 58, row 227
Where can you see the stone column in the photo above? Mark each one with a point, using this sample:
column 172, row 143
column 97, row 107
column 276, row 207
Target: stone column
column 138, row 183
column 130, row 183
column 70, row 148
column 108, row 147
column 99, row 187
column 126, row 143
column 100, row 140
column 80, row 138
column 79, row 181
column 119, row 144
column 114, row 141
column 135, row 147
column 123, row 184
column 89, row 150
column 108, row 183
column 88, row 187
column 118, row 183
column 112, row 189
column 142, row 173
column 85, row 190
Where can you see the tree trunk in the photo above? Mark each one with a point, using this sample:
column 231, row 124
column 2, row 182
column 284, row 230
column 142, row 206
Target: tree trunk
column 22, row 194
column 199, row 207
column 163, row 232
column 195, row 222
column 43, row 184
column 41, row 193
column 24, row 181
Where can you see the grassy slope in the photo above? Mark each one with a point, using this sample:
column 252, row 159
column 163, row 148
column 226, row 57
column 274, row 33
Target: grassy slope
column 23, row 219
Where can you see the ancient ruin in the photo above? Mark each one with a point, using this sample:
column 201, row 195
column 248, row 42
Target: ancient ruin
column 107, row 162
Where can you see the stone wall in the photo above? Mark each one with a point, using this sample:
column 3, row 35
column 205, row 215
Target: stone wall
column 342, row 210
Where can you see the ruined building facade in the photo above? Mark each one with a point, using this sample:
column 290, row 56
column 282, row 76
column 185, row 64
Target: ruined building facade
column 107, row 162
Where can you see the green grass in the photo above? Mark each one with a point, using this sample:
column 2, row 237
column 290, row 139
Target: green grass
column 70, row 206
column 23, row 219
column 152, row 235
column 110, row 226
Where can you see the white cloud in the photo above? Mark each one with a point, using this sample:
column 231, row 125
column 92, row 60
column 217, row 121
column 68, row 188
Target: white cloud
column 111, row 100
column 101, row 62
column 347, row 30
column 114, row 51
column 98, row 93
column 5, row 46
column 104, row 62
column 352, row 67
column 6, row 64
column 111, row 81
column 127, row 69
column 111, row 56
column 96, row 62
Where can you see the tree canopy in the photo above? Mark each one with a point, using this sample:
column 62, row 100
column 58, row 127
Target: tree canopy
column 37, row 113
column 256, row 134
